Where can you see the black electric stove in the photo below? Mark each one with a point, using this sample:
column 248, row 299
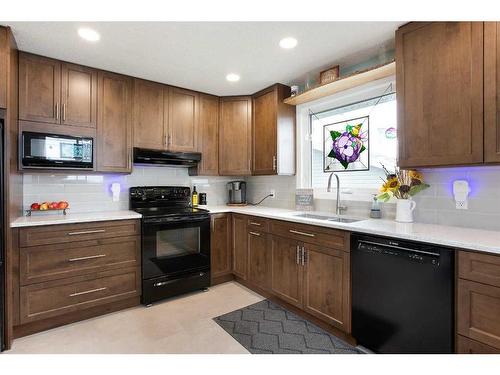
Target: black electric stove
column 175, row 242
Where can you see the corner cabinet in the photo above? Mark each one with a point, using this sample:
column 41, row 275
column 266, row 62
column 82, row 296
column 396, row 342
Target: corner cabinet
column 114, row 123
column 439, row 77
column 235, row 136
column 273, row 132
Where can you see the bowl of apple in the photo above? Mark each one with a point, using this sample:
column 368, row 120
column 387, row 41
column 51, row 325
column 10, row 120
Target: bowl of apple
column 48, row 206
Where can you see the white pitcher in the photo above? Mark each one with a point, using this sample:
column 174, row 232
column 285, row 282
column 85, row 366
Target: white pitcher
column 404, row 210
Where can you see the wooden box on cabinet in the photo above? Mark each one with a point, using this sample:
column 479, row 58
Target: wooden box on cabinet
column 439, row 76
column 273, row 132
column 114, row 123
column 235, row 136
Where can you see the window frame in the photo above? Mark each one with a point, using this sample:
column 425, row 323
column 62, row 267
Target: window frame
column 304, row 149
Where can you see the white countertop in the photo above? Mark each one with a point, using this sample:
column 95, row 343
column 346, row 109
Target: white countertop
column 458, row 237
column 70, row 218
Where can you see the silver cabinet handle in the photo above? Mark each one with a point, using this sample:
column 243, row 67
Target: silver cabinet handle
column 303, row 256
column 85, row 258
column 301, row 233
column 64, row 112
column 298, row 255
column 254, row 223
column 87, row 292
column 57, row 111
column 254, row 233
column 274, row 162
column 86, row 232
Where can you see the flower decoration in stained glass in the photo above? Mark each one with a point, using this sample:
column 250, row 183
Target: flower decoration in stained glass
column 345, row 146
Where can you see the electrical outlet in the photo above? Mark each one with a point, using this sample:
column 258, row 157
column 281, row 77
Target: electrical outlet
column 461, row 205
column 272, row 192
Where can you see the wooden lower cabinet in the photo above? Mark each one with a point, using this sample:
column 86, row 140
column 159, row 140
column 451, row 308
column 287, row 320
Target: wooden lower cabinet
column 259, row 259
column 327, row 285
column 239, row 246
column 468, row 346
column 220, row 249
column 286, row 271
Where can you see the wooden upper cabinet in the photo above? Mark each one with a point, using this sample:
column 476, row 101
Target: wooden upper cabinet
column 78, row 95
column 182, row 120
column 114, row 123
column 235, row 138
column 150, row 121
column 273, row 132
column 209, row 135
column 439, row 77
column 492, row 92
column 39, row 89
column 4, row 46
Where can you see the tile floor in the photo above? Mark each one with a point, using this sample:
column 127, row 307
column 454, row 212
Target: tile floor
column 180, row 325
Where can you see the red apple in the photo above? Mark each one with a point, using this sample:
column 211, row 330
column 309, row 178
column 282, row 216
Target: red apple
column 62, row 205
column 53, row 206
column 35, row 206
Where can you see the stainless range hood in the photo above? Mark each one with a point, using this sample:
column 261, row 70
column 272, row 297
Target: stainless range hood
column 179, row 159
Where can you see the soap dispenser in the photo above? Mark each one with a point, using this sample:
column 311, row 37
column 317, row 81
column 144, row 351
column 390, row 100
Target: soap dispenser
column 375, row 212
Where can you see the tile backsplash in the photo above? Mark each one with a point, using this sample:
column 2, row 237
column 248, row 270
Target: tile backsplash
column 91, row 193
column 434, row 205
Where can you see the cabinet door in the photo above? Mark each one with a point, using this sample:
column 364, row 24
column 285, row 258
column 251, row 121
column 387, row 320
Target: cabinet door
column 209, row 135
column 220, row 250
column 235, row 136
column 478, row 312
column 491, row 92
column 183, row 120
column 264, row 142
column 259, row 259
column 439, row 76
column 286, row 270
column 239, row 246
column 78, row 95
column 468, row 346
column 4, row 46
column 149, row 115
column 327, row 286
column 114, row 124
column 39, row 89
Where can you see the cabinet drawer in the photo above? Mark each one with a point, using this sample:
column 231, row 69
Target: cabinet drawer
column 478, row 267
column 258, row 223
column 63, row 233
column 468, row 346
column 327, row 237
column 478, row 312
column 52, row 262
column 53, row 298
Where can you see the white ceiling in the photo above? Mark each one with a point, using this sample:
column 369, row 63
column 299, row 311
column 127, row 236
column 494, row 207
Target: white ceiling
column 198, row 55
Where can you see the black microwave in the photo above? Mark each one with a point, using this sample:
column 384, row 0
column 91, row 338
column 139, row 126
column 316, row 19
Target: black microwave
column 42, row 150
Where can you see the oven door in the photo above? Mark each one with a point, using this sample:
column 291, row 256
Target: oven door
column 175, row 247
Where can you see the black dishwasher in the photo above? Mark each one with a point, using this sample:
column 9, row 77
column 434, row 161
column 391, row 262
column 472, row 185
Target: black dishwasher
column 402, row 296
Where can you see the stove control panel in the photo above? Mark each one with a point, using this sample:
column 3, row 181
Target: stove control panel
column 164, row 194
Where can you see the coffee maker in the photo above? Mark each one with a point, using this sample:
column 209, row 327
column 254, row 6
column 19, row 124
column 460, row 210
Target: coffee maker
column 237, row 193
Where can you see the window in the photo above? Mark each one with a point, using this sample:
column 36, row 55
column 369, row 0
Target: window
column 378, row 103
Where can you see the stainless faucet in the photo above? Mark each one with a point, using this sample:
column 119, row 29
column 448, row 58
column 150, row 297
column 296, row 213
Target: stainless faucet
column 339, row 208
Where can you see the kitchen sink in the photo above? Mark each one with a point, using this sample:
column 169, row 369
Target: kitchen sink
column 327, row 218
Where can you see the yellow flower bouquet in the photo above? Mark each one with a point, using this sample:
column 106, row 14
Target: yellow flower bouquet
column 402, row 184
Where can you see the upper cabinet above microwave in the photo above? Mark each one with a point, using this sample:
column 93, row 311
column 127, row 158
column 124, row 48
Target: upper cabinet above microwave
column 55, row 92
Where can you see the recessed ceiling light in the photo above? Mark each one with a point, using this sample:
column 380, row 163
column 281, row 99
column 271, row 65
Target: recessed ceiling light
column 232, row 77
column 88, row 34
column 288, row 43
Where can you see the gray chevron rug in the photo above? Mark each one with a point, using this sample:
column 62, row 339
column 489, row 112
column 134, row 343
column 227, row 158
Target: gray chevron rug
column 265, row 327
